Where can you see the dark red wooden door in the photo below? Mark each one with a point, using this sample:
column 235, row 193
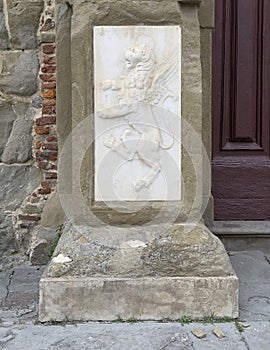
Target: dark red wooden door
column 241, row 110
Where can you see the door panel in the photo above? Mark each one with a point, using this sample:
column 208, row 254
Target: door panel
column 241, row 110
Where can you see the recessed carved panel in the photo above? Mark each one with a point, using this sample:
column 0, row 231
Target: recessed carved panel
column 137, row 77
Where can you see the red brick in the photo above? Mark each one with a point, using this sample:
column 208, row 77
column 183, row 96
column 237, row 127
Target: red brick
column 49, row 59
column 38, row 144
column 51, row 138
column 29, row 217
column 44, row 183
column 51, row 175
column 49, row 93
column 48, row 110
column 44, row 190
column 47, row 77
column 40, row 156
column 42, row 130
column 46, row 120
column 52, row 146
column 48, row 69
column 47, row 85
column 51, row 156
column 48, row 49
column 51, row 102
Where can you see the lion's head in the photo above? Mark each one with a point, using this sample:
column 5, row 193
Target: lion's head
column 139, row 58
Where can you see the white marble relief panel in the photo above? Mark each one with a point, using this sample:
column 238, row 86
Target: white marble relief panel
column 137, row 88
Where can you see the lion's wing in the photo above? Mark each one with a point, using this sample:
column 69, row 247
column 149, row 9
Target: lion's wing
column 164, row 73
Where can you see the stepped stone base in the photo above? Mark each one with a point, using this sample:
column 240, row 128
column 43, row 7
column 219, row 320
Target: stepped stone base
column 150, row 298
column 146, row 273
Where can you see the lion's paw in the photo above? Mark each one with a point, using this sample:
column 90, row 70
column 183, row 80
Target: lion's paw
column 139, row 184
column 110, row 141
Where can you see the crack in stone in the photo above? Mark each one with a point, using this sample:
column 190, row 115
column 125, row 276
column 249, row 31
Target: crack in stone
column 267, row 259
column 169, row 343
column 9, row 283
column 173, row 340
column 260, row 297
column 27, row 313
column 243, row 339
column 7, row 338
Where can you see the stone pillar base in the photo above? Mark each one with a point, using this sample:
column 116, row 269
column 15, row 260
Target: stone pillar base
column 145, row 273
column 146, row 298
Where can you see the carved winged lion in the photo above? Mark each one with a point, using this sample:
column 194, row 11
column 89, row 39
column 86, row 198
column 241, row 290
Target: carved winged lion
column 144, row 85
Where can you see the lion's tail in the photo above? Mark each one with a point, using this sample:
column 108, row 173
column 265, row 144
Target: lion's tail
column 161, row 144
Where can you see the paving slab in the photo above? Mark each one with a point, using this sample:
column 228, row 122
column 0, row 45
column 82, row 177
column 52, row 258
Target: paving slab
column 120, row 336
column 232, row 339
column 19, row 293
column 136, row 336
column 253, row 271
column 257, row 336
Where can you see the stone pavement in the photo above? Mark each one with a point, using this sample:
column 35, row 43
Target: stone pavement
column 19, row 328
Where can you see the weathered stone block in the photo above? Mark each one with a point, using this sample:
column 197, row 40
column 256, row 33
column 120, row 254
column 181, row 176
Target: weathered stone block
column 7, row 117
column 42, row 241
column 24, row 16
column 149, row 250
column 19, row 73
column 149, row 272
column 53, row 214
column 4, row 39
column 39, row 252
column 18, row 149
column 47, row 37
column 7, row 235
column 24, row 179
column 206, row 14
column 150, row 298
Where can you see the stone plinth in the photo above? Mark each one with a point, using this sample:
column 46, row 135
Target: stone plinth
column 149, row 298
column 147, row 273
